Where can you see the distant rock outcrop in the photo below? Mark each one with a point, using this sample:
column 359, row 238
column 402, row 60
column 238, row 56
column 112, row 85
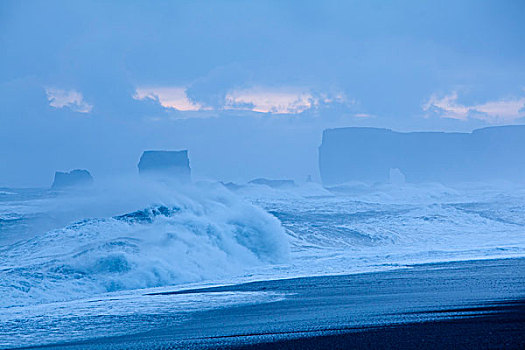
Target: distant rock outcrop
column 273, row 183
column 166, row 165
column 371, row 154
column 232, row 186
column 75, row 178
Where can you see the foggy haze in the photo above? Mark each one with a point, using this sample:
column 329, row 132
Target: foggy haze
column 246, row 87
column 187, row 174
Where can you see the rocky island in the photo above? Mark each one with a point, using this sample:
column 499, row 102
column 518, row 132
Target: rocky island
column 165, row 165
column 369, row 154
column 74, row 178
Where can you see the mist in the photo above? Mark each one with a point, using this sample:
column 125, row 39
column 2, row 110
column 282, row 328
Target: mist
column 250, row 89
column 262, row 174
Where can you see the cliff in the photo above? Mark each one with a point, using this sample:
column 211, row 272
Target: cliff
column 368, row 154
column 74, row 178
column 173, row 165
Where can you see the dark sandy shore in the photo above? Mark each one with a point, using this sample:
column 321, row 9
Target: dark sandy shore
column 459, row 305
column 495, row 326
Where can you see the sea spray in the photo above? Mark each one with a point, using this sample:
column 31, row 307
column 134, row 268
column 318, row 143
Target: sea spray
column 176, row 234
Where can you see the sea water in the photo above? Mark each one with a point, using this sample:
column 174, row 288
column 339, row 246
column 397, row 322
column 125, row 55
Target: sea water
column 73, row 261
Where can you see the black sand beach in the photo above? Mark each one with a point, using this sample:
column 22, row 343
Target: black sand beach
column 458, row 305
column 495, row 326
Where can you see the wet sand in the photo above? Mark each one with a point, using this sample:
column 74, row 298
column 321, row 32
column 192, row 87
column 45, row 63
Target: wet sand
column 462, row 305
column 495, row 326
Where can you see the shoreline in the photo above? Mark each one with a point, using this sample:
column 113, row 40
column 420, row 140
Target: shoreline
column 334, row 311
column 496, row 326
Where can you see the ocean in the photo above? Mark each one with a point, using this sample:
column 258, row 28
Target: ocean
column 73, row 262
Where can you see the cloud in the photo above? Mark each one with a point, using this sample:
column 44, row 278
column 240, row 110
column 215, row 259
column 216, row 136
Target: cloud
column 281, row 100
column 169, row 97
column 363, row 115
column 72, row 99
column 503, row 110
column 264, row 100
column 507, row 110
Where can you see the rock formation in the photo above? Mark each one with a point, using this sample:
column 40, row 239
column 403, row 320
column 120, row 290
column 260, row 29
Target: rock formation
column 75, row 178
column 273, row 183
column 369, row 154
column 166, row 165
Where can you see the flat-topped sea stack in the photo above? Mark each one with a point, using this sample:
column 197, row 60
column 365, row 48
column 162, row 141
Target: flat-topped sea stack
column 165, row 165
column 369, row 154
column 74, row 178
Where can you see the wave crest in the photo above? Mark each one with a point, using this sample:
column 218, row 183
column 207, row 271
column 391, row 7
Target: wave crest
column 198, row 234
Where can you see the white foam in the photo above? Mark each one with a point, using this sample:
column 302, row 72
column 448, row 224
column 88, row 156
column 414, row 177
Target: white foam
column 84, row 318
column 368, row 227
column 206, row 233
column 217, row 237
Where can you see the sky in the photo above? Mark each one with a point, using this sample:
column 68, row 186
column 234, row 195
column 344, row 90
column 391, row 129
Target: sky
column 246, row 86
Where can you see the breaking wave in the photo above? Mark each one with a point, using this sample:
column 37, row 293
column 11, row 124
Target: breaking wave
column 140, row 235
column 359, row 227
column 187, row 235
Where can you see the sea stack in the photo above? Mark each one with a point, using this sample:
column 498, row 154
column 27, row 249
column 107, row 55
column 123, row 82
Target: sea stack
column 165, row 165
column 371, row 154
column 74, row 178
